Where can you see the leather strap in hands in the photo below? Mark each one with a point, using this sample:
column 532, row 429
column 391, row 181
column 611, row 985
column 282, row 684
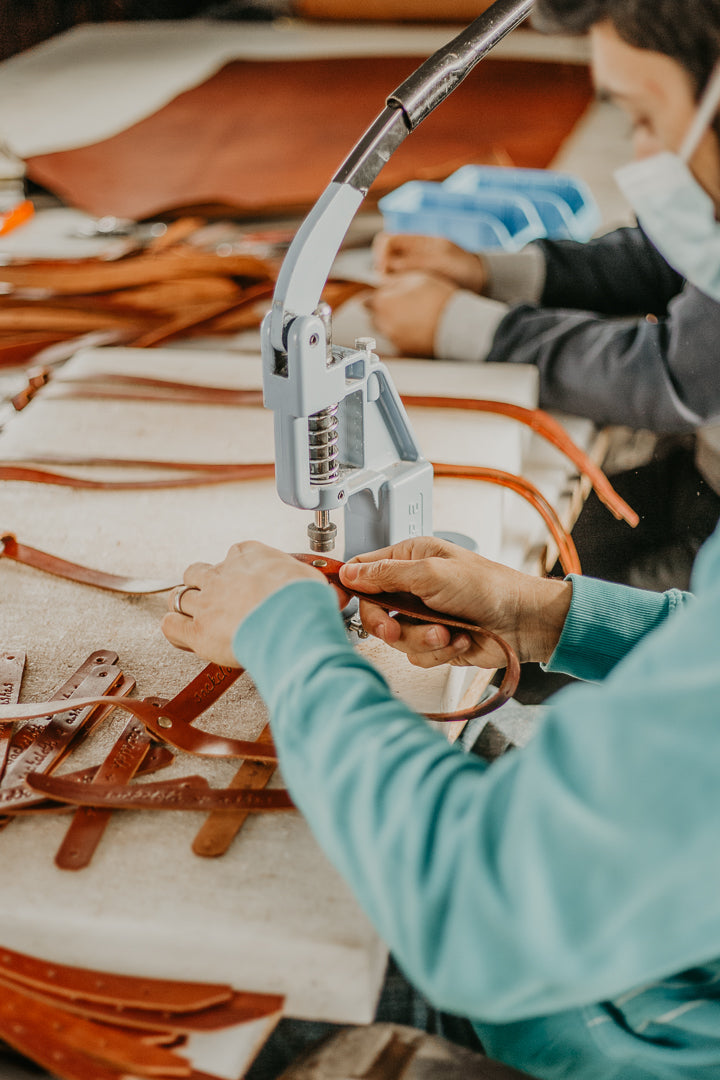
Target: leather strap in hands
column 412, row 607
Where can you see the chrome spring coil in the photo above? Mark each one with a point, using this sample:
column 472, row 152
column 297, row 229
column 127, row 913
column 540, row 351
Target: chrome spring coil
column 323, row 445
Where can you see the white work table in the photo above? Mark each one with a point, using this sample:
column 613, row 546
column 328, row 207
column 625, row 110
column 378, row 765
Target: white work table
column 271, row 915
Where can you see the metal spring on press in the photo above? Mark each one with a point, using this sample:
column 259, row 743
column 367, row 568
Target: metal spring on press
column 323, row 444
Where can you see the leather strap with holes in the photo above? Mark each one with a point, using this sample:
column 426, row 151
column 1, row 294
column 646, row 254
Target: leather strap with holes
column 65, row 981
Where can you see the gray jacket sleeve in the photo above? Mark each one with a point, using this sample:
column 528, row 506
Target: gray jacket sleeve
column 610, row 362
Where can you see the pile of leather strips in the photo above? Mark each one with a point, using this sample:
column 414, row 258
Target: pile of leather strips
column 93, row 1025
column 141, row 295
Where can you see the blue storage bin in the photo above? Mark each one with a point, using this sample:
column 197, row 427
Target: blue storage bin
column 565, row 204
column 499, row 220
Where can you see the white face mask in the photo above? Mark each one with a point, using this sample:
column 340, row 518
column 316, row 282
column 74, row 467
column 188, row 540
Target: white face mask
column 673, row 208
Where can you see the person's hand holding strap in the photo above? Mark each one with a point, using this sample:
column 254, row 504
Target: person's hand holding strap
column 528, row 612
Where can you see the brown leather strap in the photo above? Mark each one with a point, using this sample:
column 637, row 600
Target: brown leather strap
column 539, row 421
column 567, row 552
column 240, row 1009
column 63, row 726
column 74, row 983
column 197, row 476
column 51, row 564
column 412, row 607
column 12, row 668
column 184, row 796
column 26, row 733
column 88, row 825
column 75, row 1034
column 220, row 829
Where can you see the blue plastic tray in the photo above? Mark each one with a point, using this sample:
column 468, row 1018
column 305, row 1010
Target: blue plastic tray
column 565, row 204
column 500, row 220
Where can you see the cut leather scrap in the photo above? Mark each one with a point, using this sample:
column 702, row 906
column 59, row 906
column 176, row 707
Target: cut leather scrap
column 74, row 1034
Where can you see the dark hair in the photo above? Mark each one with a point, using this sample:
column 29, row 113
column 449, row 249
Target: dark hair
column 686, row 30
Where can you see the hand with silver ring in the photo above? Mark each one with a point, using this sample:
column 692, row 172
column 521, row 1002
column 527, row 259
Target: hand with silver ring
column 177, row 599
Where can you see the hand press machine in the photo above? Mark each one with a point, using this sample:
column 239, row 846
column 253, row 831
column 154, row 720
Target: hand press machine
column 342, row 437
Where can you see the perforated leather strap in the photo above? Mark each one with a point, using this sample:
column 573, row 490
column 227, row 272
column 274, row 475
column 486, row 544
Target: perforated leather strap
column 65, row 981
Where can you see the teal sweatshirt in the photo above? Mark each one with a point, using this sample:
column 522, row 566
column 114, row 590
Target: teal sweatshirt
column 566, row 898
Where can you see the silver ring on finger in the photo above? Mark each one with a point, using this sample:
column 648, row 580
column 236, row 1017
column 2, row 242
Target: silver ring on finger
column 177, row 599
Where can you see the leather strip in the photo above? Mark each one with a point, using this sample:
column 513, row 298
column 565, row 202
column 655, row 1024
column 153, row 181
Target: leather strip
column 127, row 991
column 539, row 421
column 102, row 1044
column 198, row 476
column 240, row 1009
column 88, row 825
column 48, row 746
column 412, row 607
column 567, row 552
column 12, row 668
column 220, row 829
column 51, row 564
column 184, row 796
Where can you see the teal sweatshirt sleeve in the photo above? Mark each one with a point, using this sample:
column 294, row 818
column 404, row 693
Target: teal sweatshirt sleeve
column 560, row 875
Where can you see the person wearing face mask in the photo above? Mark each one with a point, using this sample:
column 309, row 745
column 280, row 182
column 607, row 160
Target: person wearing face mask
column 559, row 908
column 622, row 329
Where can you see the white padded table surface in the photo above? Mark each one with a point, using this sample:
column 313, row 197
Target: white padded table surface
column 271, row 915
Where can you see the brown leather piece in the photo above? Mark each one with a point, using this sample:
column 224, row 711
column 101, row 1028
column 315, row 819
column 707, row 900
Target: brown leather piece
column 12, row 668
column 220, row 829
column 66, row 981
column 301, row 118
column 74, row 1034
column 88, row 825
column 239, row 1009
column 26, row 733
column 567, row 552
column 196, row 476
column 50, row 744
column 150, row 389
column 51, row 564
column 182, row 796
